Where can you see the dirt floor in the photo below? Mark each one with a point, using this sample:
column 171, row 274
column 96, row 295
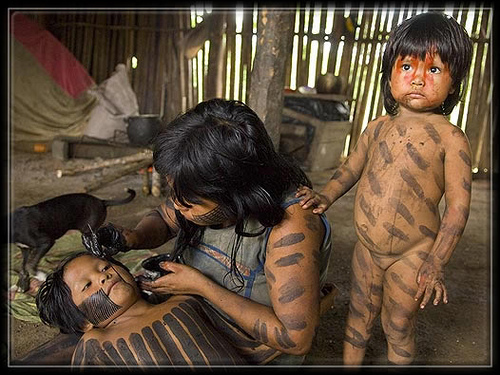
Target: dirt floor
column 456, row 334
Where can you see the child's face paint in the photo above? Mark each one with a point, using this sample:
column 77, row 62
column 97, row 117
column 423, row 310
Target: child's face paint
column 99, row 288
column 98, row 307
column 420, row 85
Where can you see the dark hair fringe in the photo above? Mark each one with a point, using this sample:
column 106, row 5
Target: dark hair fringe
column 55, row 304
column 425, row 33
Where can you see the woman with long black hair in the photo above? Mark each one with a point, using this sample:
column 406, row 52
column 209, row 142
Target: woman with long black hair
column 242, row 241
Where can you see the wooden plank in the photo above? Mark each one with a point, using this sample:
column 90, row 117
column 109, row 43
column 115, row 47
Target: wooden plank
column 116, row 174
column 300, row 64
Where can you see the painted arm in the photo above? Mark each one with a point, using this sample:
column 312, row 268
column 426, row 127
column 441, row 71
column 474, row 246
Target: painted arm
column 458, row 180
column 292, row 272
column 342, row 180
column 153, row 230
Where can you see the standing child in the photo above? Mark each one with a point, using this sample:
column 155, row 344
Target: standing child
column 404, row 163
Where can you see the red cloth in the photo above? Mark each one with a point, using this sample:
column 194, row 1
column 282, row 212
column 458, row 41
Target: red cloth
column 56, row 59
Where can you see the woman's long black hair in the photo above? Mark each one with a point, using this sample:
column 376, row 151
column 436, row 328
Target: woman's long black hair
column 419, row 35
column 221, row 151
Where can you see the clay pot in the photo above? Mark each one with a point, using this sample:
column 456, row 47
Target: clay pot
column 141, row 130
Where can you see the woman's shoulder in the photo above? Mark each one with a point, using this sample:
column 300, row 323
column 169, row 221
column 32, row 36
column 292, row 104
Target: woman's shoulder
column 299, row 220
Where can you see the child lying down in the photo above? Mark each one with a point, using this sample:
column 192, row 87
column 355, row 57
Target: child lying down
column 100, row 298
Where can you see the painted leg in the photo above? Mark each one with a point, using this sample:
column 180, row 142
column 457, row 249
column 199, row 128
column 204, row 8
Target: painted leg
column 399, row 310
column 364, row 306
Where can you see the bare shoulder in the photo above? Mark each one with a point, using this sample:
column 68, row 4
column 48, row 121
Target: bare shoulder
column 299, row 221
column 452, row 135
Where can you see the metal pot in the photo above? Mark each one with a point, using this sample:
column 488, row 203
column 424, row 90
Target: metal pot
column 141, row 130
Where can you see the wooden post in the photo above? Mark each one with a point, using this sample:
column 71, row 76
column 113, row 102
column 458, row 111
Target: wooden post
column 275, row 35
column 215, row 80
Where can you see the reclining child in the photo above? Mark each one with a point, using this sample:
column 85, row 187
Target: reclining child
column 100, row 298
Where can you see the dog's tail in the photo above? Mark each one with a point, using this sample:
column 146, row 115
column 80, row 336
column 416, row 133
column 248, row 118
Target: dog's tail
column 117, row 202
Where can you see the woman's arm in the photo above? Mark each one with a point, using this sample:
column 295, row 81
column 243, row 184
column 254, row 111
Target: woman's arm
column 153, row 230
column 292, row 272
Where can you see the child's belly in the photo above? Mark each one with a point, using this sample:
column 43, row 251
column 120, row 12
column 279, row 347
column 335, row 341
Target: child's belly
column 392, row 217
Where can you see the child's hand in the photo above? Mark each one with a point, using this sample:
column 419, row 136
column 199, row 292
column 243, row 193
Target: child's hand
column 429, row 279
column 311, row 198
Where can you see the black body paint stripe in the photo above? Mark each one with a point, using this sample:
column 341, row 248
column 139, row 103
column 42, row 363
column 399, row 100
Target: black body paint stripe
column 400, row 351
column 362, row 261
column 396, row 232
column 377, row 129
column 412, row 182
column 230, row 332
column 374, row 184
column 220, row 347
column 172, row 350
column 290, row 291
column 463, row 155
column 365, row 207
column 466, row 185
column 402, row 210
column 263, row 332
column 431, row 131
column 357, row 338
column 125, row 352
column 270, row 276
column 427, row 232
column 385, row 152
column 289, row 240
column 140, row 349
column 401, row 285
column 113, row 354
column 94, row 354
column 187, row 343
column 431, row 206
column 312, row 222
column 283, row 339
column 196, row 334
column 289, row 260
column 157, row 350
column 294, row 322
column 362, row 232
column 416, row 157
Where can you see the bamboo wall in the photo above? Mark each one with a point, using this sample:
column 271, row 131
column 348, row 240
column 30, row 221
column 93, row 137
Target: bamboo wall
column 173, row 54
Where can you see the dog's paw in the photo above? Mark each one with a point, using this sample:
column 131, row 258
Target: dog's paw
column 24, row 281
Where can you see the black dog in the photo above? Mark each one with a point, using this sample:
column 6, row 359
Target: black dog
column 34, row 229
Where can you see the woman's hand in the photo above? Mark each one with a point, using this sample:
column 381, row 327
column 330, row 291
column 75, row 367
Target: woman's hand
column 182, row 279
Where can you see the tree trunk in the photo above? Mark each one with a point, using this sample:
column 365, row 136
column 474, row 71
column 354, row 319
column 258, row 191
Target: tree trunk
column 275, row 35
